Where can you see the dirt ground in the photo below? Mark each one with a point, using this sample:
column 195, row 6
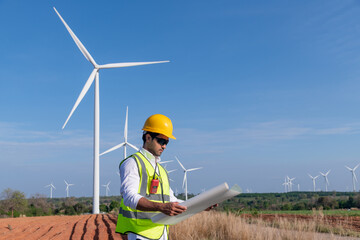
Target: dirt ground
column 101, row 226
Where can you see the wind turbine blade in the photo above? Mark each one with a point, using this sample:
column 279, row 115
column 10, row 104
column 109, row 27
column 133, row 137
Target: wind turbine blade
column 184, row 180
column 180, row 164
column 356, row 167
column 126, row 125
column 310, row 175
column 82, row 94
column 162, row 162
column 133, row 146
column 113, row 148
column 129, row 64
column 327, row 181
column 328, row 172
column 47, row 185
column 66, row 183
column 348, row 168
column 77, row 41
column 322, row 173
column 193, row 169
column 172, row 171
column 316, row 177
column 355, row 177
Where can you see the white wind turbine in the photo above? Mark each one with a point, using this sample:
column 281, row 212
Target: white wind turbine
column 290, row 183
column 313, row 179
column 95, row 75
column 51, row 188
column 185, row 173
column 107, row 188
column 123, row 144
column 326, row 179
column 171, row 172
column 67, row 187
column 286, row 184
column 353, row 175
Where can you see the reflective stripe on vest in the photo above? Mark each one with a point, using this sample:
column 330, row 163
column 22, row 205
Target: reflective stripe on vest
column 139, row 222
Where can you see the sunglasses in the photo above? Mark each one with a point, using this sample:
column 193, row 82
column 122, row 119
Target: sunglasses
column 161, row 141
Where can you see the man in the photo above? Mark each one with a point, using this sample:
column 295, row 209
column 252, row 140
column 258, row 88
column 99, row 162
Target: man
column 145, row 185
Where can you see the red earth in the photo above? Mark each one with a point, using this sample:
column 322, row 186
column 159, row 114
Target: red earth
column 100, row 226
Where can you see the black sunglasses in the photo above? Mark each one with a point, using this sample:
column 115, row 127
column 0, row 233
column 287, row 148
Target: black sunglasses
column 161, row 141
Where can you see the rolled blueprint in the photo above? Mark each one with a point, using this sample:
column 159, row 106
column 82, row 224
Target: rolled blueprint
column 199, row 203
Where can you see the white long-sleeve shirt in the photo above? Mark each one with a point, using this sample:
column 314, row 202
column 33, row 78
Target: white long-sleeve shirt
column 130, row 180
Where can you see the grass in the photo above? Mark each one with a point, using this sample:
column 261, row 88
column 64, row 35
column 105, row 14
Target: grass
column 220, row 226
column 338, row 212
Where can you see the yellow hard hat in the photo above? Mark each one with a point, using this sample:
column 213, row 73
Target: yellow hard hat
column 159, row 123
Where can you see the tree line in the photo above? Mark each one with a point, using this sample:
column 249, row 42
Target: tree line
column 293, row 201
column 13, row 203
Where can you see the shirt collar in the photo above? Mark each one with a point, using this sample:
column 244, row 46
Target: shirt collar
column 149, row 156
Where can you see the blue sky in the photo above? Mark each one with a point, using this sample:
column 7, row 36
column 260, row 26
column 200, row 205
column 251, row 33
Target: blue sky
column 256, row 90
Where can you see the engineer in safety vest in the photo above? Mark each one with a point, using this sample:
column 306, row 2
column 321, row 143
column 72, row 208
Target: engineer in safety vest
column 145, row 185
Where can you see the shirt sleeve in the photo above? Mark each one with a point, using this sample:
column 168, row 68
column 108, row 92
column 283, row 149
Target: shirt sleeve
column 130, row 181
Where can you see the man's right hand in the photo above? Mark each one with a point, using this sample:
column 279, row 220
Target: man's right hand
column 172, row 208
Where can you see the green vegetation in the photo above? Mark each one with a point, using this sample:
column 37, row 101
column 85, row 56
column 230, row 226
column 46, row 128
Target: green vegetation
column 14, row 204
column 294, row 202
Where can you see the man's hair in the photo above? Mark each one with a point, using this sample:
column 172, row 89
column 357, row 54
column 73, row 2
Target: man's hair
column 152, row 135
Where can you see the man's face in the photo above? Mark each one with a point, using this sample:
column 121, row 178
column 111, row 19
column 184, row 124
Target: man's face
column 153, row 145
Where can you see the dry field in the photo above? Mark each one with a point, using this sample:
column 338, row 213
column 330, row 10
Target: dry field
column 205, row 226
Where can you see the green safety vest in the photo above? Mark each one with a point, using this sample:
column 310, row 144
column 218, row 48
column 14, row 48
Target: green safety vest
column 137, row 221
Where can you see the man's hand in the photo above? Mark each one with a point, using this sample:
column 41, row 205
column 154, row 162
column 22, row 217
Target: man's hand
column 211, row 207
column 172, row 208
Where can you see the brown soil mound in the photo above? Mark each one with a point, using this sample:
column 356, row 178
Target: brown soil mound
column 100, row 226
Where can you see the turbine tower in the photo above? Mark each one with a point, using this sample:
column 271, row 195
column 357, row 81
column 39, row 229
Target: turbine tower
column 286, row 184
column 353, row 175
column 185, row 179
column 51, row 188
column 95, row 75
column 123, row 144
column 326, row 179
column 67, row 188
column 107, row 188
column 313, row 179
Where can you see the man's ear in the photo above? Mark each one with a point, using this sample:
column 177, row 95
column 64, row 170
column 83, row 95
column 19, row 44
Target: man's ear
column 148, row 137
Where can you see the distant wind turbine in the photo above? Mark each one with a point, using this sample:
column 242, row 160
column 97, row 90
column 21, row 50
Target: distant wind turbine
column 313, row 179
column 290, row 183
column 107, row 188
column 286, row 184
column 171, row 172
column 125, row 143
column 185, row 179
column 67, row 188
column 51, row 188
column 353, row 175
column 95, row 75
column 326, row 179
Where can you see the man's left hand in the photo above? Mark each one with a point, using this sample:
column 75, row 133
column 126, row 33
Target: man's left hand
column 211, row 207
